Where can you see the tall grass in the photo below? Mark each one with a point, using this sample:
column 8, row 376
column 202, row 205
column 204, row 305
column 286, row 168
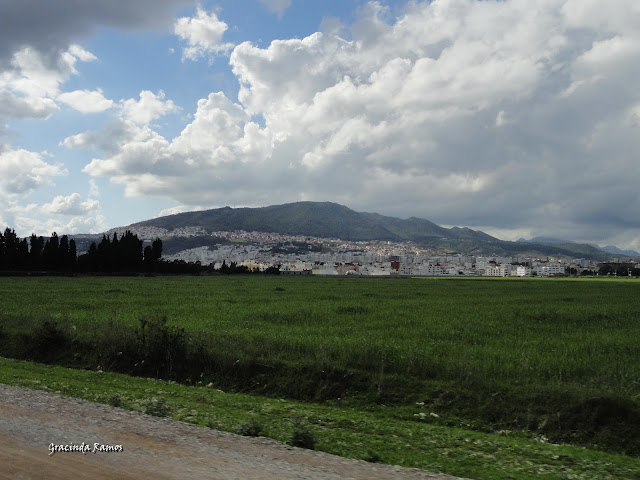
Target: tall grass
column 553, row 331
column 493, row 353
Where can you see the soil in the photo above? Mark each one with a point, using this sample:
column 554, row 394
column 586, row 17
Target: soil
column 31, row 421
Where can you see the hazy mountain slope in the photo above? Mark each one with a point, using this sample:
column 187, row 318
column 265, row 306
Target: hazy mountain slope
column 331, row 220
column 328, row 220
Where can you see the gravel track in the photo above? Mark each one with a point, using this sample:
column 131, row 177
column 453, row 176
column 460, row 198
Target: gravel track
column 152, row 448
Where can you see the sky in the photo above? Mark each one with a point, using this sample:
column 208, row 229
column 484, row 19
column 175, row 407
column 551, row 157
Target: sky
column 520, row 118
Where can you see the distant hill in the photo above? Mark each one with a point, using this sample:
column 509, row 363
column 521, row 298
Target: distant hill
column 557, row 242
column 617, row 251
column 328, row 220
column 331, row 220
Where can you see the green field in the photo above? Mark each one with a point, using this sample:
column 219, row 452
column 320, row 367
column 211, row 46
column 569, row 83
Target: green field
column 543, row 358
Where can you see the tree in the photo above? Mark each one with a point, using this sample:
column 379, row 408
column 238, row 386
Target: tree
column 72, row 258
column 9, row 249
column 35, row 254
column 156, row 249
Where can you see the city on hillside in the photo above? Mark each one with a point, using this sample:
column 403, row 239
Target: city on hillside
column 303, row 255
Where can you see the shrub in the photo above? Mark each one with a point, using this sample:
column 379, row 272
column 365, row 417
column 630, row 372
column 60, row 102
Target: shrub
column 157, row 407
column 302, row 437
column 115, row 400
column 163, row 348
column 373, row 457
column 48, row 340
column 250, row 428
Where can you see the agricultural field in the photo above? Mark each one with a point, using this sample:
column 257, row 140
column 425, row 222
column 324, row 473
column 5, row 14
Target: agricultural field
column 545, row 359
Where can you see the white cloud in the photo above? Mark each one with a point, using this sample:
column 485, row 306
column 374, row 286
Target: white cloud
column 82, row 54
column 26, row 222
column 179, row 209
column 21, row 171
column 506, row 114
column 86, row 101
column 277, row 6
column 33, row 74
column 63, row 214
column 13, row 106
column 30, row 84
column 203, row 34
column 70, row 205
column 150, row 107
column 94, row 190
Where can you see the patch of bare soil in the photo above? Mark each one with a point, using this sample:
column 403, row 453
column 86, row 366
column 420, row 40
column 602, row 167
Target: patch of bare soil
column 31, row 421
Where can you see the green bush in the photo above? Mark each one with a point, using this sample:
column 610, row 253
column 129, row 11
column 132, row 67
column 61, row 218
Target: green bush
column 115, row 400
column 48, row 340
column 302, row 437
column 250, row 428
column 157, row 407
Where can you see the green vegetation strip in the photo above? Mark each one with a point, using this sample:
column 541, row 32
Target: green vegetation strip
column 380, row 433
column 544, row 358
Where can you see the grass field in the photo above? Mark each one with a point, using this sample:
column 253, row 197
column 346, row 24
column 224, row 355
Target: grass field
column 538, row 357
column 560, row 332
column 378, row 433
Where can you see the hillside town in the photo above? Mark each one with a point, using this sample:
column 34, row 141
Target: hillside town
column 303, row 255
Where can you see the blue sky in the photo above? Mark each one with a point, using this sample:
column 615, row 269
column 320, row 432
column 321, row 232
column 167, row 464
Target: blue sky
column 517, row 117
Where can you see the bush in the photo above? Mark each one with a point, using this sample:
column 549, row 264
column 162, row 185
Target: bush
column 302, row 436
column 162, row 347
column 373, row 457
column 115, row 400
column 157, row 407
column 48, row 340
column 250, row 428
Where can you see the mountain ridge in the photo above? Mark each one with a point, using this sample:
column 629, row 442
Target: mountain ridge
column 332, row 220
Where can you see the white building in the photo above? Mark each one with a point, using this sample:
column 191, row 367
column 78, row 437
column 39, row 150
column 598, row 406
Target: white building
column 494, row 270
column 550, row 270
column 522, row 271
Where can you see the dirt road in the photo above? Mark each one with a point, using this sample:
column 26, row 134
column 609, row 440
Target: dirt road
column 32, row 423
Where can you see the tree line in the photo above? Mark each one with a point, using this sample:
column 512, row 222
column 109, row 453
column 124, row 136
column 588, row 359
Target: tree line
column 55, row 253
column 59, row 254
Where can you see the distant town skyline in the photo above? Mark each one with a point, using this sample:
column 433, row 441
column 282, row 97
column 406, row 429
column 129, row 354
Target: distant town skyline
column 520, row 118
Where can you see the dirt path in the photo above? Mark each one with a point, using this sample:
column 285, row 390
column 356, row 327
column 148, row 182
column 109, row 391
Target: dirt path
column 152, row 448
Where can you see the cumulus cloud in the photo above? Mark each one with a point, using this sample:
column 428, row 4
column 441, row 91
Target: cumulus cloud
column 21, row 171
column 277, row 6
column 202, row 33
column 33, row 74
column 512, row 115
column 13, row 106
column 70, row 205
column 63, row 214
column 30, row 87
column 86, row 101
column 150, row 107
column 25, row 222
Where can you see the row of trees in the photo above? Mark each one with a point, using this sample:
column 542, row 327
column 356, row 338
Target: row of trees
column 111, row 255
column 59, row 254
column 121, row 255
column 55, row 253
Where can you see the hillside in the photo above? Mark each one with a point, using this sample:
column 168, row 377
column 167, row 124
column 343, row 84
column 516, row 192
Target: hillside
column 331, row 220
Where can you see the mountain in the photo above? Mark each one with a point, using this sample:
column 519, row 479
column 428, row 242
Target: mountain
column 331, row 220
column 618, row 251
column 313, row 219
column 581, row 247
